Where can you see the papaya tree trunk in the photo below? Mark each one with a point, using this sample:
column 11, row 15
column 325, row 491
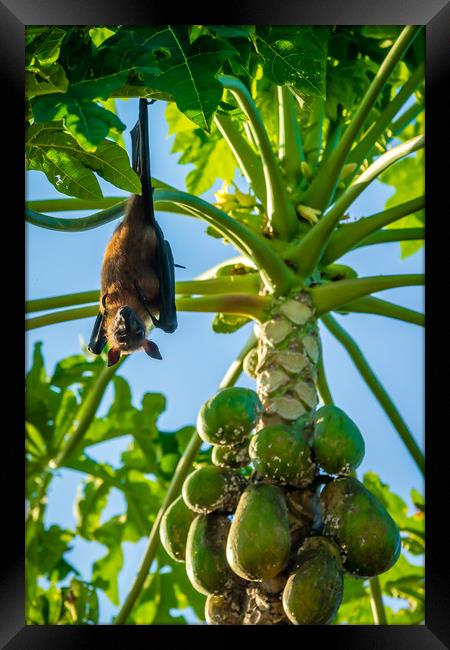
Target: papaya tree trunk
column 288, row 353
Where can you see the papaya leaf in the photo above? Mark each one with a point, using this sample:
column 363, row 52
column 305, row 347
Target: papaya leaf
column 100, row 34
column 134, row 458
column 51, row 544
column 210, row 154
column 189, row 74
column 122, row 396
column 76, row 369
column 395, row 505
column 41, row 401
column 70, row 169
column 46, row 43
column 89, row 505
column 105, row 571
column 45, row 80
column 347, row 81
column 64, row 418
column 146, row 608
column 87, row 122
column 49, row 150
column 34, row 442
column 80, row 603
column 418, row 500
column 232, row 31
column 294, row 55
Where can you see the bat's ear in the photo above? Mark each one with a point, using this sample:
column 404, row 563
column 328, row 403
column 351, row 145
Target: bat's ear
column 113, row 356
column 152, row 349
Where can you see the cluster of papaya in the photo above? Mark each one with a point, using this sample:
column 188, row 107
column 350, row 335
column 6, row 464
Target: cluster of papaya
column 268, row 531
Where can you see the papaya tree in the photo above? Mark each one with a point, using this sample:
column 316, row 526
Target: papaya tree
column 297, row 122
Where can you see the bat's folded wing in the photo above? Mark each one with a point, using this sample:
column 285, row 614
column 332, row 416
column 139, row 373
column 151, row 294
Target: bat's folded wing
column 167, row 320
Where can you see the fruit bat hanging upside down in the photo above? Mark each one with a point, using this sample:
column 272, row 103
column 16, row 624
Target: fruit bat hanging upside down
column 138, row 277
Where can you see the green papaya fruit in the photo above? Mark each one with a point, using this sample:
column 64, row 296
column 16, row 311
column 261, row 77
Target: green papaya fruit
column 212, row 488
column 337, row 443
column 361, row 526
column 313, row 593
column 229, row 416
column 234, row 457
column 259, row 541
column 282, row 454
column 174, row 529
column 225, row 609
column 206, row 564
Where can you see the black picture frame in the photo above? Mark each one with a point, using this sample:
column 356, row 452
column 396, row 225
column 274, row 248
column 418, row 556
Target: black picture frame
column 435, row 14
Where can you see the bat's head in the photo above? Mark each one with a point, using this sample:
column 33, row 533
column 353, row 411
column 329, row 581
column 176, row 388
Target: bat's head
column 126, row 333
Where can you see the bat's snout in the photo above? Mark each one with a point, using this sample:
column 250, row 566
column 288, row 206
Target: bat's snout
column 128, row 329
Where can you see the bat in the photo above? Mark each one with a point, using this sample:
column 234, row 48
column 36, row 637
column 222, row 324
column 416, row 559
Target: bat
column 138, row 270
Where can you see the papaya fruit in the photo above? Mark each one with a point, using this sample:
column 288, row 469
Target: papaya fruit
column 206, row 564
column 174, row 529
column 361, row 526
column 229, row 417
column 337, row 443
column 226, row 608
column 259, row 540
column 282, row 454
column 313, row 593
column 233, row 457
column 212, row 488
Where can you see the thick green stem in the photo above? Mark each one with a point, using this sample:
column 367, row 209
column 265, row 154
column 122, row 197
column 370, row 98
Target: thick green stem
column 85, row 415
column 377, row 389
column 307, row 253
column 247, row 283
column 290, row 147
column 182, row 470
column 323, row 186
column 350, row 235
column 376, row 602
column 371, row 305
column 55, row 302
column 280, row 211
column 249, row 305
column 60, row 317
column 80, row 224
column 322, row 383
column 242, row 304
column 393, row 235
column 248, row 161
column 73, row 205
column 363, row 148
column 333, row 135
column 334, row 295
column 405, row 118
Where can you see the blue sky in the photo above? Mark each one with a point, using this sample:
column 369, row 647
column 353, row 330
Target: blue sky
column 195, row 358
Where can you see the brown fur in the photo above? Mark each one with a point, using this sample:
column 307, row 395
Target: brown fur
column 127, row 260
